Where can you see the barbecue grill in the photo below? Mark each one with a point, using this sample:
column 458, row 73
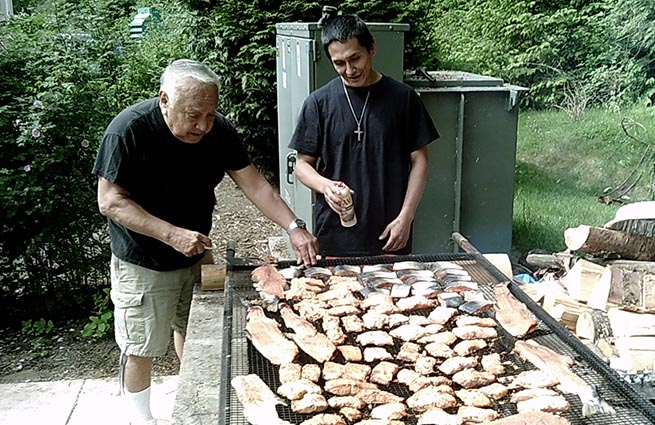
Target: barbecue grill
column 239, row 357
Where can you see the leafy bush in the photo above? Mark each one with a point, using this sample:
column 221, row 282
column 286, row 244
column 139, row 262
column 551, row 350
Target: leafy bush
column 100, row 324
column 54, row 250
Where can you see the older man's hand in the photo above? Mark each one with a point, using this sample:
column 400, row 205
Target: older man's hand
column 305, row 246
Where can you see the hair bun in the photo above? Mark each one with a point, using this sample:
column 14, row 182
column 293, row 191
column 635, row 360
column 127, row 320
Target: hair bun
column 329, row 12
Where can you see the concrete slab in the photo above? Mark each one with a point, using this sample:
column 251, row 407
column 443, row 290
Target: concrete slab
column 197, row 396
column 100, row 404
column 38, row 402
column 78, row 402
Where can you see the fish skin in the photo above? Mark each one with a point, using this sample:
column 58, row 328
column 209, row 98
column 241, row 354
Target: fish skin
column 318, row 272
column 476, row 307
column 346, row 270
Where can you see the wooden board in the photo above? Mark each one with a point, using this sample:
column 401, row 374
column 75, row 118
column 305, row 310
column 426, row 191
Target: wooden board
column 628, row 323
column 212, row 277
column 581, row 280
column 633, row 290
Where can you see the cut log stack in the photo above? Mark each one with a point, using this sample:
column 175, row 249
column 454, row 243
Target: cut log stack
column 607, row 298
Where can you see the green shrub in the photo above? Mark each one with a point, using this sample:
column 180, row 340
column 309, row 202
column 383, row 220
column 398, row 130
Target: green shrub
column 54, row 249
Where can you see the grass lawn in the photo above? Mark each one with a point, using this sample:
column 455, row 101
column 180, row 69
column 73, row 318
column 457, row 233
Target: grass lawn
column 562, row 167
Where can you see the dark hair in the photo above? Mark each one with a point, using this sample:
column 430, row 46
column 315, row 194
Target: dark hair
column 342, row 27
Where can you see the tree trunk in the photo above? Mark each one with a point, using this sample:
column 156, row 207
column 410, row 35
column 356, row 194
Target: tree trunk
column 602, row 242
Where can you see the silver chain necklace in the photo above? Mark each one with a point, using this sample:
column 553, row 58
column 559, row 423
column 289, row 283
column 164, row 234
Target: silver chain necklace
column 359, row 132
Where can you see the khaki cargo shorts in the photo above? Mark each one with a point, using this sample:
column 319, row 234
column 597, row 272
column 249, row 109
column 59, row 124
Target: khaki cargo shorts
column 148, row 305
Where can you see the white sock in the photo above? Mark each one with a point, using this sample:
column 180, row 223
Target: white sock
column 139, row 407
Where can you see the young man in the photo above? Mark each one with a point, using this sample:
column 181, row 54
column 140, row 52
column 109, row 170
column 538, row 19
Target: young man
column 158, row 165
column 370, row 132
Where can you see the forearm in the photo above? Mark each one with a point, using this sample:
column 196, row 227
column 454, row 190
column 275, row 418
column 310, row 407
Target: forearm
column 308, row 175
column 271, row 204
column 126, row 212
column 418, row 177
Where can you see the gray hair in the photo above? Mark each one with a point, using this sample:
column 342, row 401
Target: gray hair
column 186, row 68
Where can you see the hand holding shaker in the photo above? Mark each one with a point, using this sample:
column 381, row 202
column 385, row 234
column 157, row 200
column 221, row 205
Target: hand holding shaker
column 348, row 217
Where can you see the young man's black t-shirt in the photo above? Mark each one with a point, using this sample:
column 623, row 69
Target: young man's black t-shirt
column 395, row 123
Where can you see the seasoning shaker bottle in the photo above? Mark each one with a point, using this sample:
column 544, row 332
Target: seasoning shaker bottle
column 348, row 216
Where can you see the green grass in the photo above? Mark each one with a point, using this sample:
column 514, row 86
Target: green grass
column 563, row 166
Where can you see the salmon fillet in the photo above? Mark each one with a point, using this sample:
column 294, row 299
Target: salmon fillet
column 267, row 338
column 311, row 341
column 512, row 314
column 269, row 281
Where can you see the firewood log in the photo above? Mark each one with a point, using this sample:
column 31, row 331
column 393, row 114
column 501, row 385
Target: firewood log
column 602, row 242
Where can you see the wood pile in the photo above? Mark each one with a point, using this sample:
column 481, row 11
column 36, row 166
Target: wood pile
column 603, row 289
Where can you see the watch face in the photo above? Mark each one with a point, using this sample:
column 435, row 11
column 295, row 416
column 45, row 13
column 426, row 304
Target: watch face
column 301, row 223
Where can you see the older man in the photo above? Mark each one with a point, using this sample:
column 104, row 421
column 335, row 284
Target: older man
column 158, row 165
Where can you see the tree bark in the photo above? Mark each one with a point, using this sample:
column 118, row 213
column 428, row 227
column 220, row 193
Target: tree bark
column 593, row 325
column 602, row 242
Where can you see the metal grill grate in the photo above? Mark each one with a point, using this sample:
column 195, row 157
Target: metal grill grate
column 243, row 358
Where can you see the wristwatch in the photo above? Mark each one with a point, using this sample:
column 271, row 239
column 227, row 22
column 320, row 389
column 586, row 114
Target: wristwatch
column 297, row 223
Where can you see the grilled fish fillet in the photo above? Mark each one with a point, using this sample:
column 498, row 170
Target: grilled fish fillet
column 464, row 348
column 325, row 419
column 430, row 398
column 350, row 353
column 409, row 352
column 258, row 400
column 548, row 403
column 455, row 364
column 492, row 364
column 408, row 332
column 353, row 402
column 534, row 379
column 475, row 332
column 267, row 338
column 383, row 373
column 442, row 315
column 437, row 416
column 474, row 398
column 267, row 280
column 390, row 411
column 477, row 415
column 312, row 342
column 512, row 314
column 531, row 418
column 309, row 403
column 311, row 372
column 290, row 372
column 559, row 365
column 530, row 393
column 296, row 390
column 471, row 378
column 377, row 396
column 342, row 386
column 376, row 338
column 495, row 391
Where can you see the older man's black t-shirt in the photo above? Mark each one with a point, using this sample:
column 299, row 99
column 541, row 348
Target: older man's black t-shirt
column 395, row 123
column 170, row 179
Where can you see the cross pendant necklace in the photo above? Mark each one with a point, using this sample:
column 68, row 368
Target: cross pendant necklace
column 359, row 132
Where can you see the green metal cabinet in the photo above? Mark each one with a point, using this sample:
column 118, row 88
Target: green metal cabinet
column 302, row 67
column 470, row 186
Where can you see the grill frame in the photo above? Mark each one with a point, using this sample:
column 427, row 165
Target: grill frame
column 632, row 408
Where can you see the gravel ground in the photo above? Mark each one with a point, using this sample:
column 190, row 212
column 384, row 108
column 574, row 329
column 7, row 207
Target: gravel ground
column 65, row 354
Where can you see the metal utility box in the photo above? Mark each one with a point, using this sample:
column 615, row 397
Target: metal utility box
column 302, row 67
column 470, row 186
